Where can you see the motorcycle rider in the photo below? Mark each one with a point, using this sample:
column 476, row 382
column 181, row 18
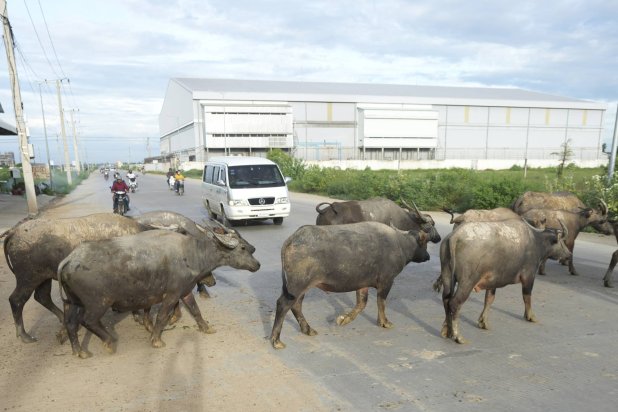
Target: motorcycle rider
column 132, row 177
column 169, row 174
column 120, row 185
column 177, row 178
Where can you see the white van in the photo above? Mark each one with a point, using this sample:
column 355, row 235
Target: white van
column 239, row 188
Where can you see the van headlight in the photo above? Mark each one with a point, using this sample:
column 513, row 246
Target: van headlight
column 282, row 200
column 238, row 202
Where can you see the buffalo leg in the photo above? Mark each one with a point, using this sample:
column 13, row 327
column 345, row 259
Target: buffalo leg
column 284, row 304
column 163, row 317
column 42, row 294
column 176, row 315
column 490, row 296
column 201, row 289
column 542, row 267
column 194, row 310
column 72, row 318
column 607, row 280
column 297, row 310
column 526, row 290
column 382, row 294
column 92, row 322
column 18, row 299
column 454, row 307
column 361, row 302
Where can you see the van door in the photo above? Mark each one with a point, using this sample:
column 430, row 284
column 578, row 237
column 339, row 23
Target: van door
column 219, row 188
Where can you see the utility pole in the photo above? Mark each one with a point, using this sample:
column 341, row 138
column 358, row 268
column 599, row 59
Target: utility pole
column 51, row 182
column 77, row 163
column 67, row 160
column 19, row 112
column 612, row 158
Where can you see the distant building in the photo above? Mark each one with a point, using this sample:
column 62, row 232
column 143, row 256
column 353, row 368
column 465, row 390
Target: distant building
column 201, row 118
column 7, row 159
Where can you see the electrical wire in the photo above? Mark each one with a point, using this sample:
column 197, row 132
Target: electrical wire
column 39, row 39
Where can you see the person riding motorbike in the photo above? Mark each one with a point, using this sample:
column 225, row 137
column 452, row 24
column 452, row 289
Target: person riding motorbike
column 169, row 174
column 132, row 177
column 177, row 178
column 120, row 185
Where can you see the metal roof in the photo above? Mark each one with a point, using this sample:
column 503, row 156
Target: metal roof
column 7, row 129
column 229, row 89
column 240, row 160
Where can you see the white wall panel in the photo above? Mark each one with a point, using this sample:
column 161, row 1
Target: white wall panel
column 514, row 137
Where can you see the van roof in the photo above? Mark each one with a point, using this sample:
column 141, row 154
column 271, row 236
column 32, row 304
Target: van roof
column 240, row 160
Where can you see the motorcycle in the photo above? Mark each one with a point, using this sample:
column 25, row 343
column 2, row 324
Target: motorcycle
column 180, row 190
column 106, row 175
column 133, row 184
column 120, row 200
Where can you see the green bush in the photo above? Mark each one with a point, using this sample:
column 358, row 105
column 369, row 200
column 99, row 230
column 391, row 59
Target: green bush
column 457, row 189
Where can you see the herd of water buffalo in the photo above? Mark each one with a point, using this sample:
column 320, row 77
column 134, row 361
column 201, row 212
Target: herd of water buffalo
column 105, row 260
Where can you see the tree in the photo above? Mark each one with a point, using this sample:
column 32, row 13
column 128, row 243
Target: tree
column 564, row 155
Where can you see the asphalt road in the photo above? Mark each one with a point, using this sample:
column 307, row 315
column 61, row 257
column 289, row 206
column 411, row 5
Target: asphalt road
column 565, row 362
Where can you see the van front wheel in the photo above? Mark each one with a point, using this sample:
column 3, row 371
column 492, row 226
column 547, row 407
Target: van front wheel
column 277, row 220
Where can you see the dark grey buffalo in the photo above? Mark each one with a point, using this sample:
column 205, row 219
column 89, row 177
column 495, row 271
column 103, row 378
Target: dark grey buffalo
column 33, row 250
column 575, row 221
column 377, row 209
column 343, row 258
column 490, row 255
column 607, row 280
column 135, row 272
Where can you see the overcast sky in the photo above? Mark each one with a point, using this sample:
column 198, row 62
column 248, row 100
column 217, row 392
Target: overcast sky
column 120, row 54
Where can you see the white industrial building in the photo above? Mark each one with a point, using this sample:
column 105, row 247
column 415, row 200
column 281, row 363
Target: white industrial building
column 352, row 125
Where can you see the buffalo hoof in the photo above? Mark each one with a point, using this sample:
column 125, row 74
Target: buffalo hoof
column 82, row 354
column 574, row 273
column 343, row 320
column 531, row 318
column 157, row 343
column 207, row 329
column 62, row 336
column 204, row 294
column 460, row 340
column 277, row 344
column 109, row 347
column 25, row 338
column 386, row 324
column 483, row 324
column 608, row 284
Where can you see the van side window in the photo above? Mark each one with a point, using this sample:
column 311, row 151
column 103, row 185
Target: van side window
column 222, row 175
column 215, row 174
column 208, row 174
column 204, row 174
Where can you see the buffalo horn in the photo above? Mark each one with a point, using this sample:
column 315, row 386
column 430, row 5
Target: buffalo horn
column 320, row 211
column 228, row 241
column 565, row 231
column 418, row 212
column 603, row 207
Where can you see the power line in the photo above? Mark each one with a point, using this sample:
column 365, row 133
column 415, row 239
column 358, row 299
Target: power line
column 50, row 40
column 39, row 39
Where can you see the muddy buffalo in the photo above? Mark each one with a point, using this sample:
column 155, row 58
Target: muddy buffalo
column 490, row 255
column 343, row 258
column 377, row 209
column 138, row 271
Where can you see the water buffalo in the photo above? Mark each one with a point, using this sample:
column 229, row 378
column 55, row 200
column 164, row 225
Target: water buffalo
column 562, row 201
column 607, row 280
column 575, row 221
column 481, row 215
column 34, row 248
column 491, row 255
column 343, row 258
column 135, row 272
column 377, row 209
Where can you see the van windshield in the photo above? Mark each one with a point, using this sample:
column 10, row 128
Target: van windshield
column 252, row 176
